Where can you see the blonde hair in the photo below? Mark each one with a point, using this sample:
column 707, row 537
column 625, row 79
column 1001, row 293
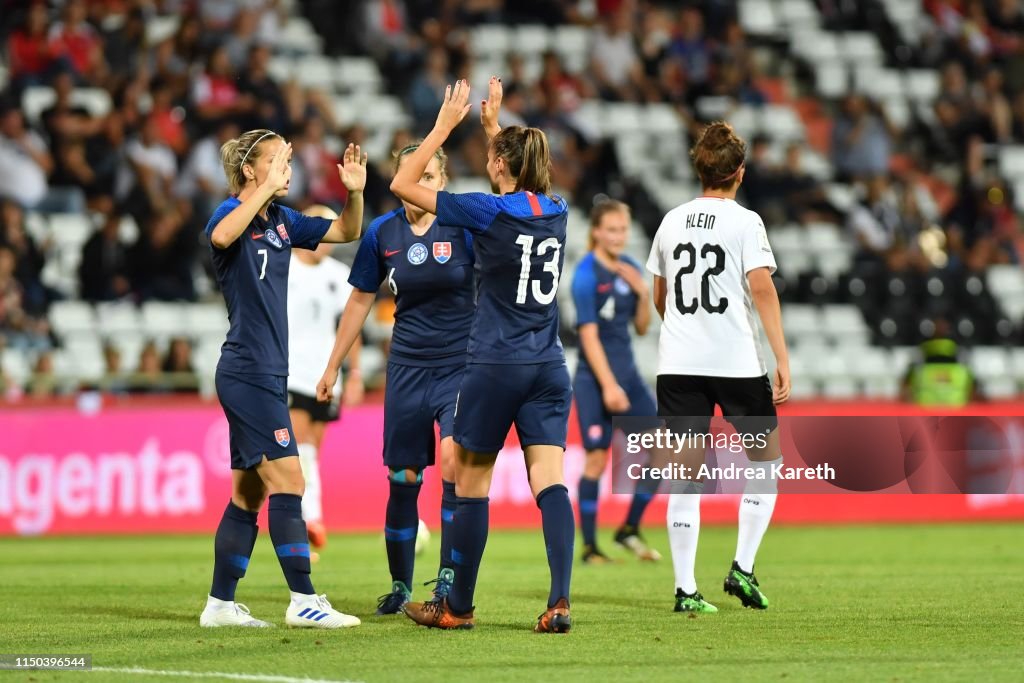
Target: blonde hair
column 526, row 152
column 600, row 210
column 237, row 152
column 399, row 154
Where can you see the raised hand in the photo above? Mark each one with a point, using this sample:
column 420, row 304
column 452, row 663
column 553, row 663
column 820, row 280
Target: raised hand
column 454, row 108
column 491, row 107
column 352, row 170
column 280, row 172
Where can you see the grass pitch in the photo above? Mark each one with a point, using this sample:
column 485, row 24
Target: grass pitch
column 892, row 603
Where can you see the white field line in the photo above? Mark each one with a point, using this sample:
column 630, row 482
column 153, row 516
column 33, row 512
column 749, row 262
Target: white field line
column 262, row 678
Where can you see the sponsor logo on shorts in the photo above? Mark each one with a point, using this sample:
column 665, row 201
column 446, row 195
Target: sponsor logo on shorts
column 417, row 254
column 442, row 251
column 283, row 232
column 282, row 437
column 273, row 238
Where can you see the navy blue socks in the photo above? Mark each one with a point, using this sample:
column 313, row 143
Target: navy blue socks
column 642, row 495
column 401, row 522
column 232, row 548
column 469, row 536
column 288, row 534
column 559, row 534
column 448, row 503
column 588, row 510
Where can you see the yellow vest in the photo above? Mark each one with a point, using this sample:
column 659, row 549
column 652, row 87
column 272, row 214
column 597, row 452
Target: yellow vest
column 941, row 384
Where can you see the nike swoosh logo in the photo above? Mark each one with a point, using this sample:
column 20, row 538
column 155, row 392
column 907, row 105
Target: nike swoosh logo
column 604, row 288
column 255, row 236
column 391, row 253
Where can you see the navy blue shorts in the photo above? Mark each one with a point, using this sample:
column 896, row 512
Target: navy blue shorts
column 256, row 406
column 595, row 421
column 534, row 397
column 414, row 399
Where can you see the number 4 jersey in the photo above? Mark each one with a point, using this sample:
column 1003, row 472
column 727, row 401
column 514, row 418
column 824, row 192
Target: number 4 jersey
column 704, row 250
column 519, row 245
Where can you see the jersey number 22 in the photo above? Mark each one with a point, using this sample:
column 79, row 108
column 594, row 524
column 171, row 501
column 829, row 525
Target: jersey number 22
column 705, row 280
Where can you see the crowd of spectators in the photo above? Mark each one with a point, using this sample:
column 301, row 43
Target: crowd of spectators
column 177, row 95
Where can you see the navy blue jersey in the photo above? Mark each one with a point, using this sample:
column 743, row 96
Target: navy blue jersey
column 602, row 297
column 520, row 240
column 253, row 275
column 431, row 276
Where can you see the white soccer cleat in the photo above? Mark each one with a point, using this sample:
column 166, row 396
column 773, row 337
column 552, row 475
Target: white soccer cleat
column 316, row 612
column 229, row 614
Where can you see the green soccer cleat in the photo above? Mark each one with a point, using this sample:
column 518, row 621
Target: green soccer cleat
column 693, row 603
column 744, row 586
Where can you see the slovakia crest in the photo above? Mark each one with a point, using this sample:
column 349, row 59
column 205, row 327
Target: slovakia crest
column 283, row 232
column 621, row 286
column 282, row 437
column 273, row 238
column 417, row 254
column 442, row 251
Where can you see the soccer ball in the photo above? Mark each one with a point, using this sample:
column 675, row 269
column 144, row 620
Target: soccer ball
column 422, row 538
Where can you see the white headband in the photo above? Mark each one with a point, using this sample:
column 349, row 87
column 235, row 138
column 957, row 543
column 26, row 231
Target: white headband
column 246, row 156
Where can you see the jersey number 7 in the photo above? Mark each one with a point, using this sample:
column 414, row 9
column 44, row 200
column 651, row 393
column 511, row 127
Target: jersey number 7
column 705, row 280
column 551, row 266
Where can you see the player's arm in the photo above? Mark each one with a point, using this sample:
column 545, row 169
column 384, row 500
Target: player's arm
column 612, row 395
column 490, row 108
column 406, row 183
column 633, row 278
column 349, row 327
column 660, row 294
column 231, row 227
column 354, row 387
column 348, row 226
column 766, row 300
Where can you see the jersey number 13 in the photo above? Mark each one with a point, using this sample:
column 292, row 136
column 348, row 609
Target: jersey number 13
column 551, row 266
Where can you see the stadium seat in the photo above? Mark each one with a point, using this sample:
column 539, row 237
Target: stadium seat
column 16, row 364
column 781, row 122
column 801, row 320
column 72, row 318
column 490, row 39
column 358, row 74
column 845, row 324
column 299, row 37
column 860, row 47
column 661, row 119
column 878, row 83
column 281, row 68
column 163, row 319
column 988, row 362
column 118, row 320
column 207, row 320
column 4, row 77
column 573, row 44
column 745, row 120
column 814, row 46
column 531, row 39
column 824, row 238
column 315, row 71
column 160, row 28
column 622, row 117
column 758, row 18
column 36, row 99
column 70, row 229
column 798, row 13
column 1011, row 161
column 922, row 84
column 831, row 79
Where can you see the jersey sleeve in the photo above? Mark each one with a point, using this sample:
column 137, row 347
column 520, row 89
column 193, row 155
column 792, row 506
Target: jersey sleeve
column 305, row 231
column 757, row 252
column 584, row 294
column 473, row 211
column 656, row 261
column 367, row 268
column 221, row 212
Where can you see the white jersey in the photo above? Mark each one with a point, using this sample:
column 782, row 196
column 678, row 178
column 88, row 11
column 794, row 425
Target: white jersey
column 704, row 250
column 317, row 294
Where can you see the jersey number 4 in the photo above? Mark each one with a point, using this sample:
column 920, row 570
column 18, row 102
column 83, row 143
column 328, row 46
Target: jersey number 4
column 551, row 266
column 705, row 280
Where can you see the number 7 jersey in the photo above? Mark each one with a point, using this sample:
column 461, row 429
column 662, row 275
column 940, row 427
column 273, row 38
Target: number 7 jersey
column 704, row 250
column 520, row 248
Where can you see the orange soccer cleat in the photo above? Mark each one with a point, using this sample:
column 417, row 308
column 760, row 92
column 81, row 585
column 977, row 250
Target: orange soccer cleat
column 437, row 614
column 556, row 619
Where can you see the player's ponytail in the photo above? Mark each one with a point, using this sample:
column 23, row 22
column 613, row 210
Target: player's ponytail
column 526, row 152
column 718, row 156
column 238, row 152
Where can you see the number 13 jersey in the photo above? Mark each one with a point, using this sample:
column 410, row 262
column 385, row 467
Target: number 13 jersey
column 520, row 247
column 704, row 250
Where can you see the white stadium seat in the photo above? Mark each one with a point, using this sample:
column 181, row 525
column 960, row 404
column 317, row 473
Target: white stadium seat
column 531, row 39
column 315, row 71
column 989, row 362
column 358, row 74
column 72, row 318
column 845, row 324
column 922, row 84
column 859, row 47
column 71, row 229
column 117, row 320
column 164, row 319
column 794, row 13
column 758, row 17
column 207, row 320
column 490, row 39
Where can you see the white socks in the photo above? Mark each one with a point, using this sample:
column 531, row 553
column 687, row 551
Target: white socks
column 683, row 529
column 312, row 509
column 214, row 603
column 756, row 508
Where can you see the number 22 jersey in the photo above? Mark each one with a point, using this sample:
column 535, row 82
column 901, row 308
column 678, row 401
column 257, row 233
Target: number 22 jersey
column 704, row 250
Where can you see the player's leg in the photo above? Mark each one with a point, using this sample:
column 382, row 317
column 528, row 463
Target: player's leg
column 408, row 449
column 641, row 404
column 302, row 425
column 314, row 488
column 747, row 402
column 596, row 430
column 542, row 425
column 684, row 401
column 233, row 545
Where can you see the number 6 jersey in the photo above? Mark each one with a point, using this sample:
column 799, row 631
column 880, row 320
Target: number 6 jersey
column 704, row 250
column 520, row 246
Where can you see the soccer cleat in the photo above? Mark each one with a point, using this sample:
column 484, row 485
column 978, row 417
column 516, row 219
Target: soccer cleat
column 629, row 538
column 555, row 620
column 437, row 614
column 230, row 614
column 745, row 587
column 317, row 533
column 693, row 603
column 392, row 603
column 316, row 612
column 591, row 555
column 442, row 584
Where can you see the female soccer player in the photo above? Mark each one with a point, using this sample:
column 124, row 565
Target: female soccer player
column 252, row 238
column 428, row 265
column 317, row 292
column 610, row 294
column 516, row 372
column 713, row 266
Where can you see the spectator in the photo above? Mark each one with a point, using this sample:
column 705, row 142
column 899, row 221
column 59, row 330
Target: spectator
column 28, row 257
column 161, row 261
column 168, row 117
column 44, row 382
column 860, row 142
column 428, row 88
column 875, row 222
column 803, row 197
column 320, row 165
column 691, row 47
column 124, row 47
column 178, row 364
column 148, row 376
column 23, row 149
column 614, row 60
column 144, row 180
column 215, row 92
column 75, row 38
column 29, row 52
column 103, row 271
column 271, row 109
column 17, row 328
column 202, row 180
